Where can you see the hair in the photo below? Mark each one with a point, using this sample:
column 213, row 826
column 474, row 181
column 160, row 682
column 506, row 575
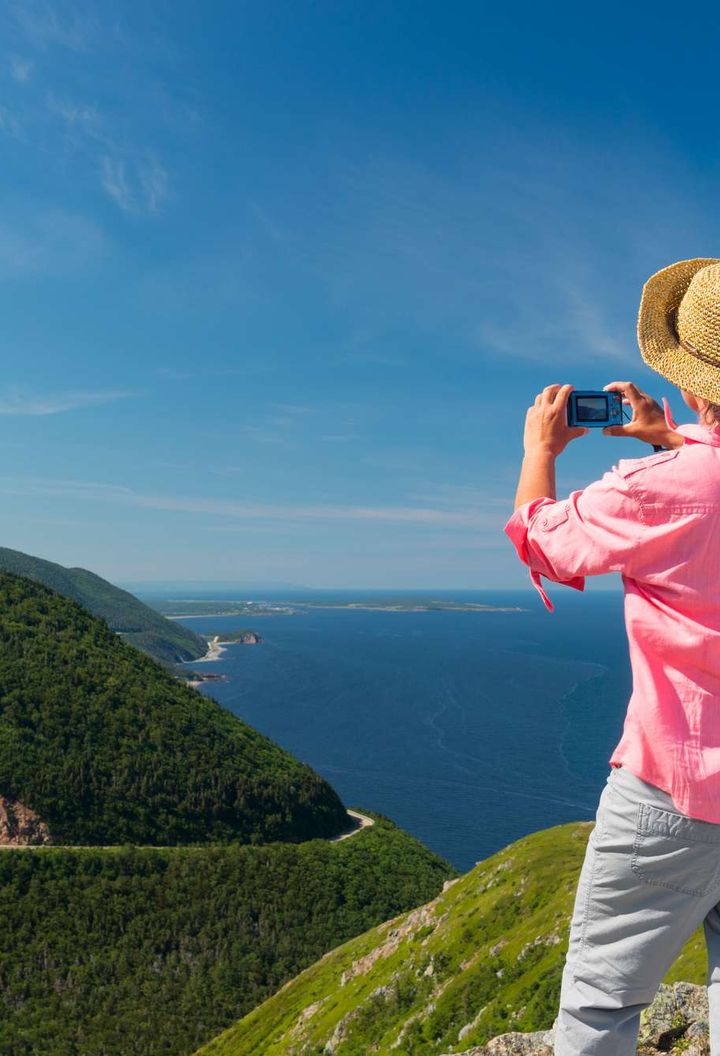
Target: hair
column 711, row 415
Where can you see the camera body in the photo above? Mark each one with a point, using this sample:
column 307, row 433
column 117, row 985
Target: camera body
column 594, row 408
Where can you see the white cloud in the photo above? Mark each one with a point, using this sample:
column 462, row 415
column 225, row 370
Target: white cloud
column 18, row 403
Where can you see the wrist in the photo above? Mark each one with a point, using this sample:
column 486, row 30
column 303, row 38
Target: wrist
column 672, row 439
column 540, row 452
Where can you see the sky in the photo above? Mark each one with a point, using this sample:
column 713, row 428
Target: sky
column 279, row 280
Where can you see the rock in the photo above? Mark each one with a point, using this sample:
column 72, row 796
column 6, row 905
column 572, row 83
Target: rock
column 421, row 917
column 20, row 826
column 669, row 1017
column 675, row 1023
column 382, row 993
column 538, row 1043
column 304, row 1017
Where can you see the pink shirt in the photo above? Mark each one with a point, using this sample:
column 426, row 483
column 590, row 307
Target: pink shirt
column 656, row 521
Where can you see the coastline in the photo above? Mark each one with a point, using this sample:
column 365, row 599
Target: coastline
column 357, row 605
column 215, row 650
column 353, row 605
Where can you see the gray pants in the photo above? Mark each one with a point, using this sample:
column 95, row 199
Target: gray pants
column 650, row 876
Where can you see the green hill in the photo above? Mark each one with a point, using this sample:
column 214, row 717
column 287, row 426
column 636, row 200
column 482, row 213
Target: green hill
column 483, row 958
column 140, row 625
column 107, row 747
column 151, row 952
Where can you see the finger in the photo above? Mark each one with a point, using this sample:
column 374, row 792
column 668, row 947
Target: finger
column 628, row 389
column 561, row 395
column 549, row 392
column 614, row 430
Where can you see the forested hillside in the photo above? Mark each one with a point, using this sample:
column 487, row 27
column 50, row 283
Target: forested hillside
column 163, row 639
column 107, row 747
column 141, row 952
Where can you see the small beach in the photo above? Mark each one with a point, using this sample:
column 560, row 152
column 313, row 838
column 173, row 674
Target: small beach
column 215, row 650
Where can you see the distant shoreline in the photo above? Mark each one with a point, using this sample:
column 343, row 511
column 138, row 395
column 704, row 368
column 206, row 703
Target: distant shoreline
column 354, row 605
column 224, row 615
column 416, row 608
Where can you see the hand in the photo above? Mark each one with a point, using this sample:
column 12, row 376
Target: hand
column 546, row 425
column 648, row 418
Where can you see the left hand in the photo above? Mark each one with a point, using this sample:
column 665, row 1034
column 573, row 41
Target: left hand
column 546, row 425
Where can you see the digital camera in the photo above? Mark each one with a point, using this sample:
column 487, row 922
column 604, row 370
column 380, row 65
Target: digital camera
column 589, row 407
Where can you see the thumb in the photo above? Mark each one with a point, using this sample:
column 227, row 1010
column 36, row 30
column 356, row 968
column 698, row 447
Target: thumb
column 614, row 430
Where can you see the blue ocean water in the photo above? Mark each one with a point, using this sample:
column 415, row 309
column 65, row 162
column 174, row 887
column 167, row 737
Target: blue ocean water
column 468, row 729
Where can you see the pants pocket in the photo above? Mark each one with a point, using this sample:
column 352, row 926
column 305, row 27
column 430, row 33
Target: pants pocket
column 675, row 851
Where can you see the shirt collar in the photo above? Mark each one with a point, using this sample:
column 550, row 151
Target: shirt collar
column 695, row 432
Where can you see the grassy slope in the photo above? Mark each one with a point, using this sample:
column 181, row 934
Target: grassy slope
column 443, row 971
column 140, row 625
column 145, row 952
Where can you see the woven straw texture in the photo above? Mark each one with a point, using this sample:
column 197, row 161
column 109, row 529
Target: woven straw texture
column 678, row 325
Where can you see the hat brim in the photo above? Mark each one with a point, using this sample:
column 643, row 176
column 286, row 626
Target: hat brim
column 658, row 340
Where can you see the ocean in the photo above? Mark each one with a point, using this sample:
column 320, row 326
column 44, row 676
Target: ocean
column 468, row 729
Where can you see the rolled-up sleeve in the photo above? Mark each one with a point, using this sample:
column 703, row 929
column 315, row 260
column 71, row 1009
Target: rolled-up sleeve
column 591, row 532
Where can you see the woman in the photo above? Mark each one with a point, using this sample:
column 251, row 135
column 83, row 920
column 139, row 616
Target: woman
column 651, row 872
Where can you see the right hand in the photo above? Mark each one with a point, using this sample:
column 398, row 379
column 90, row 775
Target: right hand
column 648, row 418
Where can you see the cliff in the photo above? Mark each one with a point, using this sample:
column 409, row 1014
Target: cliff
column 20, row 826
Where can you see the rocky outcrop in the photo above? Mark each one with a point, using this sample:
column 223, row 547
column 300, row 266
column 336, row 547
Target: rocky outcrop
column 422, row 917
column 676, row 1022
column 20, row 826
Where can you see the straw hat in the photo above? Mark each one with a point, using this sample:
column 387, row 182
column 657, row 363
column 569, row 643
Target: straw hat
column 678, row 325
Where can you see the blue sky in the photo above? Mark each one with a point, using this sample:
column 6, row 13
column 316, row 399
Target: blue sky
column 279, row 280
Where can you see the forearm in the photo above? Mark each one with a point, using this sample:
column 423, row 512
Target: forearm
column 671, row 439
column 537, row 476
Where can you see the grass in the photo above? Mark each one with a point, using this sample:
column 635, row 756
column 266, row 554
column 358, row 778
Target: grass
column 483, row 958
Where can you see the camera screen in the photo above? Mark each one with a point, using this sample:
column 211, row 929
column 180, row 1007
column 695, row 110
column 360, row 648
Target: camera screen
column 591, row 408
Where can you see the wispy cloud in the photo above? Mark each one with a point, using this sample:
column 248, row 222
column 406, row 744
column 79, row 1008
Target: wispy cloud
column 47, row 24
column 240, row 511
column 74, row 114
column 18, row 403
column 136, row 186
column 21, row 69
column 48, row 241
column 115, row 183
column 61, row 118
column 173, row 373
column 10, row 124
